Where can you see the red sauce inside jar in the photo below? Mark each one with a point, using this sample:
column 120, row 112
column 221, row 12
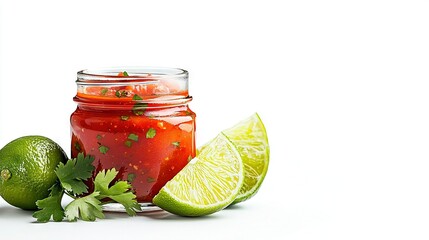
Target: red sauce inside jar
column 141, row 126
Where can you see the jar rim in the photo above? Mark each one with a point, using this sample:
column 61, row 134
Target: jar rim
column 109, row 75
column 148, row 84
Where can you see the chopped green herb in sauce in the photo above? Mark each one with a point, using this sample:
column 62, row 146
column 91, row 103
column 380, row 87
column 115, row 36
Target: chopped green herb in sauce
column 151, row 133
column 128, row 143
column 139, row 108
column 121, row 93
column 103, row 91
column 131, row 177
column 133, row 137
column 103, row 149
column 137, row 97
column 77, row 146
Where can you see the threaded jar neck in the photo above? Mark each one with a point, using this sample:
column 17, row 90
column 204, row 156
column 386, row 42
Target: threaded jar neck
column 153, row 86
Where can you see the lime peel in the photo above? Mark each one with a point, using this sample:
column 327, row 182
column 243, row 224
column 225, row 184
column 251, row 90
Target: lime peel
column 209, row 183
column 5, row 174
column 251, row 139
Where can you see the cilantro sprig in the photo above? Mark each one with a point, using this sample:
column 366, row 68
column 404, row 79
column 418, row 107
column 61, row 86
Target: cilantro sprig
column 51, row 206
column 87, row 208
column 119, row 192
column 71, row 177
column 72, row 174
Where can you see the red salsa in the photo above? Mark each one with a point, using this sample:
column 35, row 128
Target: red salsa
column 138, row 123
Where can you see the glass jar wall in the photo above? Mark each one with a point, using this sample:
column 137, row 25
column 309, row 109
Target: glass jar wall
column 136, row 120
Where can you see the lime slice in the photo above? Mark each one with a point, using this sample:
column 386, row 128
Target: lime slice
column 209, row 183
column 250, row 138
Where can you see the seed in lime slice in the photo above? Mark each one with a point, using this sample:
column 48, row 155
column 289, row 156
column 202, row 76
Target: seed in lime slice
column 251, row 140
column 209, row 183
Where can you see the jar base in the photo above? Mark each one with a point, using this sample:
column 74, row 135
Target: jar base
column 146, row 208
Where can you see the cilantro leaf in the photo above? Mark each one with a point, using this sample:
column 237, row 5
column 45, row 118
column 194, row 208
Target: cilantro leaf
column 104, row 91
column 102, row 181
column 51, row 206
column 103, row 149
column 128, row 200
column 87, row 208
column 74, row 172
column 71, row 177
column 139, row 108
column 137, row 97
column 119, row 192
column 151, row 133
column 77, row 146
column 131, row 177
column 176, row 144
column 128, row 143
column 133, row 137
column 125, row 74
column 150, row 179
column 121, row 93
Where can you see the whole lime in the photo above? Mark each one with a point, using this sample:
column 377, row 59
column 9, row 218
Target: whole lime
column 27, row 170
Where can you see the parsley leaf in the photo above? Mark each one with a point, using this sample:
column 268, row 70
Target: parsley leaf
column 119, row 192
column 74, row 172
column 176, row 144
column 87, row 208
column 51, row 206
column 125, row 74
column 151, row 133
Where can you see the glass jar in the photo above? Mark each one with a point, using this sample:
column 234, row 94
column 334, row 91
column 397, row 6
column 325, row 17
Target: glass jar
column 135, row 120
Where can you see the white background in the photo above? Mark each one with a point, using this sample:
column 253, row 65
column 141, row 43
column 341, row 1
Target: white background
column 342, row 87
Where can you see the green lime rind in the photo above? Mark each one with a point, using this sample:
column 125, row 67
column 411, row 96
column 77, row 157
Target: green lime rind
column 27, row 167
column 168, row 202
column 251, row 139
column 209, row 183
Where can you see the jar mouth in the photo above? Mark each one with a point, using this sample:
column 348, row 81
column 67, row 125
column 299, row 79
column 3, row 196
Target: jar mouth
column 135, row 74
column 132, row 83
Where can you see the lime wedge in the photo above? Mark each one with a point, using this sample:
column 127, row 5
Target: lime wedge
column 250, row 138
column 209, row 183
